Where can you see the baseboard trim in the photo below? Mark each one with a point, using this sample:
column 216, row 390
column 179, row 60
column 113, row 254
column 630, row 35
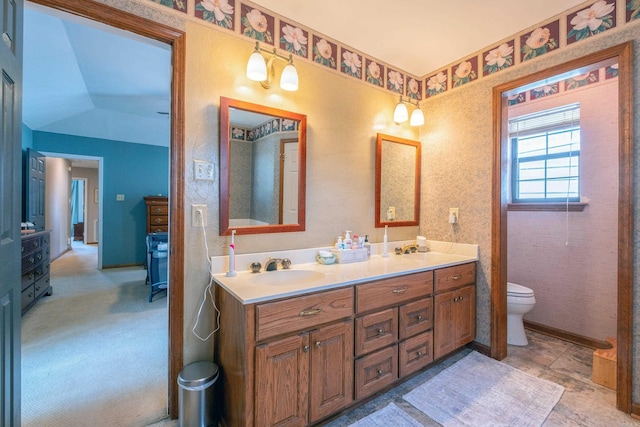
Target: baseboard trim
column 480, row 348
column 104, row 267
column 635, row 410
column 567, row 336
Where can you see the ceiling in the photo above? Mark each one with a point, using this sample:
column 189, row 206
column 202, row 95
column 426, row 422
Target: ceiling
column 418, row 36
column 87, row 79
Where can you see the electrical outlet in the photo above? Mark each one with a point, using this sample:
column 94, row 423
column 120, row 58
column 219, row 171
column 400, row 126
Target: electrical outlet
column 454, row 217
column 391, row 213
column 203, row 171
column 198, row 215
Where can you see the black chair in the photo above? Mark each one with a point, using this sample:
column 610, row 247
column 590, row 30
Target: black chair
column 157, row 250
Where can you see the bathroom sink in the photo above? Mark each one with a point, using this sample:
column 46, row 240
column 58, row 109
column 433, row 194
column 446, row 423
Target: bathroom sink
column 285, row 277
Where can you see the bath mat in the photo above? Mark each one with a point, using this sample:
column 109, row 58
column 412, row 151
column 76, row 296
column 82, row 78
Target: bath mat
column 480, row 391
column 388, row 416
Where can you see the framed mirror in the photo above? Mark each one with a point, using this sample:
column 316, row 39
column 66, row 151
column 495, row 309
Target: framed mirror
column 262, row 168
column 397, row 181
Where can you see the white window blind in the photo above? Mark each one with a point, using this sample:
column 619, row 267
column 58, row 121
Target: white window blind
column 545, row 121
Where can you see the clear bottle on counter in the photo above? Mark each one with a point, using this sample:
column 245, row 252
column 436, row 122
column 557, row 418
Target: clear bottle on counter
column 367, row 246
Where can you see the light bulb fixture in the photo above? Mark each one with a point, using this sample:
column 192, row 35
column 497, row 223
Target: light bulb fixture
column 401, row 113
column 262, row 71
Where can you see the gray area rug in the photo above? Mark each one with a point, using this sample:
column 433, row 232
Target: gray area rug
column 388, row 416
column 480, row 391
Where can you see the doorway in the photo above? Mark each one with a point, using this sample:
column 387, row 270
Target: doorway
column 500, row 199
column 176, row 39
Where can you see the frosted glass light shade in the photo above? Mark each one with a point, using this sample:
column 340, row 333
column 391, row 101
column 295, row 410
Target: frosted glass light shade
column 257, row 67
column 417, row 118
column 289, row 78
column 400, row 114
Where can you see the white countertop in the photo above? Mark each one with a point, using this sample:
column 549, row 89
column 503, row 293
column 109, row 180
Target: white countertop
column 310, row 276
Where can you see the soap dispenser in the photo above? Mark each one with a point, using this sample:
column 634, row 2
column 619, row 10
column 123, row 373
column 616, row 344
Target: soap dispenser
column 347, row 239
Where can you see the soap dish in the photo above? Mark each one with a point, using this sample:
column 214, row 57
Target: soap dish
column 325, row 259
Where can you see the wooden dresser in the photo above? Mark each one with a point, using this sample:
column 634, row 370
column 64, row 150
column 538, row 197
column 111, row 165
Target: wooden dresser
column 35, row 268
column 157, row 214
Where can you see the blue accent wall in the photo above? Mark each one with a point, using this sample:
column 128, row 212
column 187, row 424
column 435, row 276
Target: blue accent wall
column 27, row 137
column 135, row 170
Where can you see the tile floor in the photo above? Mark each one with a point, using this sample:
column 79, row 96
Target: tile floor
column 583, row 403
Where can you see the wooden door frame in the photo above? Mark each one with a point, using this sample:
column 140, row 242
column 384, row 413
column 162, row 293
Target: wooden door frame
column 500, row 197
column 177, row 40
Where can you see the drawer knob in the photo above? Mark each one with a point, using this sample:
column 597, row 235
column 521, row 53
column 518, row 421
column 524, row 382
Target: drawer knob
column 457, row 277
column 158, row 220
column 419, row 354
column 380, row 331
column 419, row 317
column 400, row 291
column 318, row 344
column 158, row 210
column 305, row 349
column 311, row 312
column 380, row 372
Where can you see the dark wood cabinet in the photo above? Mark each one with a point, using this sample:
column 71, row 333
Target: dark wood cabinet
column 454, row 308
column 157, row 214
column 35, row 268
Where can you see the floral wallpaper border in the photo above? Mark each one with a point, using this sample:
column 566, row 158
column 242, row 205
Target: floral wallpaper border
column 249, row 20
column 267, row 128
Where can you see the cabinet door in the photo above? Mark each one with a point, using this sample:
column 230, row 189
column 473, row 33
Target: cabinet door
column 465, row 315
column 444, row 340
column 282, row 382
column 331, row 385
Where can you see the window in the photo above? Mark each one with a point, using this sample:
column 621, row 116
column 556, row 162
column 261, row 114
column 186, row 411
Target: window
column 546, row 156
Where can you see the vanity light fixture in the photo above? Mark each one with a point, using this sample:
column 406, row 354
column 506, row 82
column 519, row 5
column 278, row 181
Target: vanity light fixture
column 401, row 114
column 261, row 70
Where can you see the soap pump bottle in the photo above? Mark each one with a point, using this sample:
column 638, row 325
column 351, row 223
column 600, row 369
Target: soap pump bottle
column 339, row 244
column 347, row 239
column 367, row 246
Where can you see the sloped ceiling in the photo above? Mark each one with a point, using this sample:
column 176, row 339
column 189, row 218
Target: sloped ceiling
column 86, row 79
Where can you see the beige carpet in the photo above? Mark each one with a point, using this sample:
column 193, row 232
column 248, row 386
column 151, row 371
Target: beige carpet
column 95, row 352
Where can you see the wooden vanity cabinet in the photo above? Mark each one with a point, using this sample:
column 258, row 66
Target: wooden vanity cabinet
column 298, row 360
column 294, row 364
column 393, row 330
column 454, row 308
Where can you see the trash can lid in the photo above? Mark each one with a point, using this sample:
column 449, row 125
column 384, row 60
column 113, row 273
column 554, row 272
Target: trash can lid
column 197, row 374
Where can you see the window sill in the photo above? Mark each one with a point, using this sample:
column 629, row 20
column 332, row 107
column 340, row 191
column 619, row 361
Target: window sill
column 547, row 207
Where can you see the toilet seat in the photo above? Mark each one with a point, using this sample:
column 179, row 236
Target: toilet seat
column 515, row 290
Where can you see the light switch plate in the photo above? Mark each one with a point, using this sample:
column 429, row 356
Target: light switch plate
column 203, row 171
column 119, row 197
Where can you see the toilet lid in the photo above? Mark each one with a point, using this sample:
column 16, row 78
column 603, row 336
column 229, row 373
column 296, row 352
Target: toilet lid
column 514, row 289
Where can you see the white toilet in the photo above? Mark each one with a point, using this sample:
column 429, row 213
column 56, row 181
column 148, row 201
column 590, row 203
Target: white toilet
column 520, row 300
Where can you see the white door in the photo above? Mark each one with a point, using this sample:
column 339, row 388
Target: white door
column 290, row 183
column 11, row 208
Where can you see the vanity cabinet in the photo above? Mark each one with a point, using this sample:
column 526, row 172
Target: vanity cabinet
column 35, row 268
column 455, row 308
column 297, row 360
column 393, row 334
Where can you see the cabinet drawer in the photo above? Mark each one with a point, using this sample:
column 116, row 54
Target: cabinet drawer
column 158, row 228
column 304, row 312
column 158, row 220
column 376, row 330
column 456, row 276
column 27, row 296
column 159, row 209
column 393, row 291
column 41, row 286
column 27, row 279
column 416, row 353
column 376, row 371
column 416, row 317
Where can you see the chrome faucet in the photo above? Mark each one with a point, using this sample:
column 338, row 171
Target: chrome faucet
column 272, row 264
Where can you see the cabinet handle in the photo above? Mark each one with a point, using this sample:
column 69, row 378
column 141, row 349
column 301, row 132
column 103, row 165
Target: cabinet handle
column 380, row 372
column 158, row 220
column 457, row 277
column 419, row 317
column 318, row 344
column 419, row 354
column 158, row 210
column 305, row 349
column 380, row 331
column 399, row 291
column 311, row 312
column 456, row 299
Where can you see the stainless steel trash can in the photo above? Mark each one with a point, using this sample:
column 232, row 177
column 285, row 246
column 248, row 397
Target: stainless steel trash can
column 196, row 394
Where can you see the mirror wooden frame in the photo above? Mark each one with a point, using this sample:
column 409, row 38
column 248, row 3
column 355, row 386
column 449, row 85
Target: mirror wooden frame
column 416, row 208
column 225, row 106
